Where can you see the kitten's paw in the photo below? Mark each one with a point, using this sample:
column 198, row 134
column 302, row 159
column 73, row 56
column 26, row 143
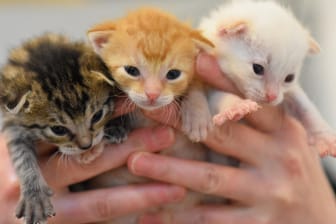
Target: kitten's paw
column 325, row 142
column 237, row 112
column 196, row 124
column 36, row 207
column 116, row 134
column 90, row 155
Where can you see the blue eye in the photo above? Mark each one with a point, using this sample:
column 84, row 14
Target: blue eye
column 173, row 74
column 97, row 116
column 60, row 130
column 258, row 69
column 132, row 70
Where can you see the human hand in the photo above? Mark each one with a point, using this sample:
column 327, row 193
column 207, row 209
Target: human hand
column 97, row 205
column 280, row 181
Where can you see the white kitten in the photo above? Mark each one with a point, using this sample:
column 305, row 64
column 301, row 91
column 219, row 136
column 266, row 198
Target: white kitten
column 261, row 47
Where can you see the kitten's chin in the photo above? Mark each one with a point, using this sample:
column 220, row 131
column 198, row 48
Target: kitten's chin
column 275, row 103
column 150, row 107
column 146, row 105
column 70, row 151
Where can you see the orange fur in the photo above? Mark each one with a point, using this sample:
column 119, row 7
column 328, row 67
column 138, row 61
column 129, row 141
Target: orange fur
column 155, row 42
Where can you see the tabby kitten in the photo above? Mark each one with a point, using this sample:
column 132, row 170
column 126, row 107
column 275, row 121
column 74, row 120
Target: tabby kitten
column 56, row 91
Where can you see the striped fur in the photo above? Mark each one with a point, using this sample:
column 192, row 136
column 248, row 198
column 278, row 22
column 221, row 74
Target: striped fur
column 50, row 91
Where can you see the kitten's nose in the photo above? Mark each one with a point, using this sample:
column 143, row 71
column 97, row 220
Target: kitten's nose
column 152, row 96
column 271, row 97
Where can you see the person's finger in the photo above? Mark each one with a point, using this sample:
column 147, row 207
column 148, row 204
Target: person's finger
column 210, row 72
column 232, row 138
column 267, row 119
column 102, row 205
column 60, row 172
column 204, row 214
column 229, row 182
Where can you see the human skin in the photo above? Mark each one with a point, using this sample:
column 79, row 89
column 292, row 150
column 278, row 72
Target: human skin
column 90, row 206
column 280, row 182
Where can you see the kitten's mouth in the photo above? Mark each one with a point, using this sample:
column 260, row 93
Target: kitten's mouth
column 151, row 105
column 72, row 151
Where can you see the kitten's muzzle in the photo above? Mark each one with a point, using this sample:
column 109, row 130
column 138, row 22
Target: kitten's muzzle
column 271, row 97
column 86, row 147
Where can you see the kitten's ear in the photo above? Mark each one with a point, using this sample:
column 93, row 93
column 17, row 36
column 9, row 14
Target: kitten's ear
column 314, row 47
column 202, row 43
column 100, row 76
column 98, row 39
column 236, row 28
column 15, row 106
column 99, row 35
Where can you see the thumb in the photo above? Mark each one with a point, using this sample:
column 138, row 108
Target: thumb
column 210, row 72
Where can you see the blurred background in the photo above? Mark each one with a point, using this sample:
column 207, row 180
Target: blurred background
column 24, row 19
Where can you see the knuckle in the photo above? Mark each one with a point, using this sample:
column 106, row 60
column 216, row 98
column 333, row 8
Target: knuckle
column 211, row 181
column 292, row 164
column 103, row 209
column 202, row 219
column 223, row 133
column 12, row 189
column 227, row 130
column 283, row 195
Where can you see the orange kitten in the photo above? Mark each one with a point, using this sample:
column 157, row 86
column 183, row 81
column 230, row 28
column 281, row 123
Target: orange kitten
column 151, row 56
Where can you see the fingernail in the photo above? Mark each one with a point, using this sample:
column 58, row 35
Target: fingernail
column 162, row 137
column 139, row 163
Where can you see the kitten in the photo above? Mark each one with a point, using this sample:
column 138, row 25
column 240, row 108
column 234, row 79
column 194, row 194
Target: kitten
column 56, row 91
column 151, row 56
column 261, row 47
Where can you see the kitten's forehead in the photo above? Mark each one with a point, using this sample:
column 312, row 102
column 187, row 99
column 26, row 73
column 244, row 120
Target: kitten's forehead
column 156, row 34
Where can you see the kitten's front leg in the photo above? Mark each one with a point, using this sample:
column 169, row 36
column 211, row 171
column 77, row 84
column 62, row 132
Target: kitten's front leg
column 196, row 117
column 117, row 129
column 35, row 204
column 320, row 133
column 227, row 106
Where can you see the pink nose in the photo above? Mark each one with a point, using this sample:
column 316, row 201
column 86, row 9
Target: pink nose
column 152, row 96
column 271, row 97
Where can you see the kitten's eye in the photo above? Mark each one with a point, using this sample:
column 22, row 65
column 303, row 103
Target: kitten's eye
column 132, row 70
column 173, row 74
column 258, row 69
column 97, row 116
column 289, row 78
column 60, row 130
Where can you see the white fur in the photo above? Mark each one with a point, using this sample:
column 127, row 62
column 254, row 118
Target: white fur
column 262, row 32
column 274, row 39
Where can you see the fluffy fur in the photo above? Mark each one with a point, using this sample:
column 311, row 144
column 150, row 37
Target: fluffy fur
column 261, row 47
column 162, row 52
column 56, row 91
column 151, row 56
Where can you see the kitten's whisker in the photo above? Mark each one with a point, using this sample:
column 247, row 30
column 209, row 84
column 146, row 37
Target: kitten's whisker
column 53, row 156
